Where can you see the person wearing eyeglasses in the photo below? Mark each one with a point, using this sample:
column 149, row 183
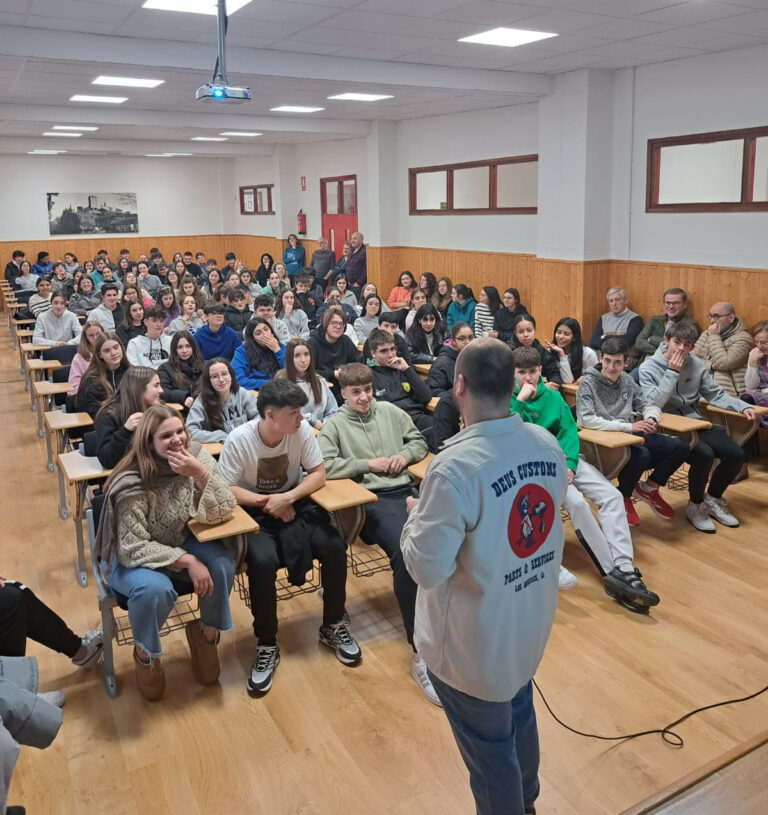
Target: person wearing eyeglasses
column 675, row 303
column 332, row 349
column 724, row 348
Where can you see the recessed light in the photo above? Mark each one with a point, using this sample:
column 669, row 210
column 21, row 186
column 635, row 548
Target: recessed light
column 127, row 82
column 73, row 127
column 45, row 152
column 207, row 138
column 106, row 100
column 509, row 37
column 239, row 133
column 194, row 6
column 295, row 109
column 166, row 155
column 361, row 97
column 65, row 135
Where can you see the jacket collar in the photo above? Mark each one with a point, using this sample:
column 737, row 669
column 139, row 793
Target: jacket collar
column 491, row 428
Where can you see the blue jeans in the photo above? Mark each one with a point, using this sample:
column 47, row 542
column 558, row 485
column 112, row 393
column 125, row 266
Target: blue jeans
column 151, row 594
column 499, row 743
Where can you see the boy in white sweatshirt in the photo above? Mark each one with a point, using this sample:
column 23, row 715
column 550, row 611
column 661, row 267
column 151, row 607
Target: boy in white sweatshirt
column 154, row 347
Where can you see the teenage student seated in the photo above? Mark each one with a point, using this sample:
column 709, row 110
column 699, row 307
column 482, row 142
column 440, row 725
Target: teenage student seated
column 524, row 336
column 133, row 321
column 260, row 358
column 676, row 380
column 332, row 349
column 388, row 322
column 152, row 347
column 262, row 461
column 373, row 443
column 216, row 339
column 608, row 398
column 82, row 359
column 57, row 326
column 264, row 308
column 236, row 313
column 222, row 404
column 573, row 357
column 103, row 375
column 440, row 376
column 163, row 483
column 180, row 374
column 610, row 548
column 300, row 369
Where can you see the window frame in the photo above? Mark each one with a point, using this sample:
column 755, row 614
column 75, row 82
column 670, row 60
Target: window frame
column 747, row 135
column 254, row 188
column 493, row 209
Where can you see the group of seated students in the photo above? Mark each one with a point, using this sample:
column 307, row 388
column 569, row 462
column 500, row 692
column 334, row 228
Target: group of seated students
column 294, row 401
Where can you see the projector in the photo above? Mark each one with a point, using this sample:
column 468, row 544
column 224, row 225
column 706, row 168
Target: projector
column 212, row 92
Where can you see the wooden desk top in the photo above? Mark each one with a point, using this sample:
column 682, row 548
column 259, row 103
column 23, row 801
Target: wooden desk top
column 240, row 523
column 682, row 424
column 43, row 364
column 58, row 420
column 569, row 387
column 713, row 409
column 342, row 493
column 419, row 469
column 30, row 347
column 213, row 448
column 23, row 333
column 77, row 467
column 432, row 404
column 24, row 321
column 46, row 388
column 422, row 368
column 175, row 406
column 609, row 438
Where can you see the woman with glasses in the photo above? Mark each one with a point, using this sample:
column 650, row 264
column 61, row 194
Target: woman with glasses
column 440, row 377
column 332, row 349
column 222, row 404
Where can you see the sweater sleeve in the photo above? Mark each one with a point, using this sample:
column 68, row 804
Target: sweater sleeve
column 132, row 352
column 76, row 371
column 246, row 378
column 135, row 546
column 414, row 443
column 568, row 436
column 566, row 375
column 437, row 379
column 196, row 421
column 216, row 502
column 658, row 390
column 336, row 466
column 646, row 342
column 587, row 415
column 716, row 396
column 39, row 338
column 550, row 368
column 170, row 393
column 633, row 329
column 596, row 340
column 112, row 440
column 420, row 391
column 752, row 377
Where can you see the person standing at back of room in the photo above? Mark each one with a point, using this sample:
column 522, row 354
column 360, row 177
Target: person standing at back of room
column 484, row 544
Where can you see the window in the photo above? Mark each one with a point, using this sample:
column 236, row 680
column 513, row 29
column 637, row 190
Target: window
column 504, row 186
column 709, row 172
column 256, row 200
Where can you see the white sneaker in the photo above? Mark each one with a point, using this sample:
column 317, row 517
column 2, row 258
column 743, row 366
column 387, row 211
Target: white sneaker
column 718, row 509
column 419, row 673
column 566, row 580
column 698, row 515
column 93, row 641
column 53, row 697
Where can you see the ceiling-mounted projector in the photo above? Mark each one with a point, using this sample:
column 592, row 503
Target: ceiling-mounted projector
column 211, row 92
column 219, row 89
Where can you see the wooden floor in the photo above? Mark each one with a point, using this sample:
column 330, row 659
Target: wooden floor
column 363, row 741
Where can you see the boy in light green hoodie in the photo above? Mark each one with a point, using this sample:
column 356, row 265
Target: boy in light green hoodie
column 610, row 547
column 373, row 443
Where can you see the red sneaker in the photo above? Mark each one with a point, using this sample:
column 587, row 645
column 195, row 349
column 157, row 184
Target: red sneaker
column 654, row 501
column 632, row 516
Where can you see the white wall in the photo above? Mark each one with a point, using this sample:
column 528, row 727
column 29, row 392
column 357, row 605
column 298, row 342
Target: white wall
column 176, row 196
column 243, row 172
column 697, row 95
column 461, row 137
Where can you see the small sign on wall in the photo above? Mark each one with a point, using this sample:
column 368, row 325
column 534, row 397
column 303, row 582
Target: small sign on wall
column 303, row 183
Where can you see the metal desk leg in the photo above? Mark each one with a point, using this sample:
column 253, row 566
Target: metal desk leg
column 40, row 411
column 48, row 449
column 32, row 378
column 82, row 489
column 62, row 496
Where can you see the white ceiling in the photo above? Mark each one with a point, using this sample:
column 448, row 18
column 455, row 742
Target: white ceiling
column 300, row 52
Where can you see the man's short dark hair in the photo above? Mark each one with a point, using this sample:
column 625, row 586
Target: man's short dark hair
column 109, row 287
column 387, row 317
column 17, row 253
column 187, row 253
column 155, row 255
column 262, row 300
column 304, row 278
column 125, row 251
column 614, row 346
column 682, row 330
column 211, row 260
column 279, row 393
column 154, row 252
column 488, row 370
column 154, row 313
column 681, row 292
column 525, row 357
column 378, row 337
column 213, row 308
column 229, row 256
column 355, row 373
column 236, row 294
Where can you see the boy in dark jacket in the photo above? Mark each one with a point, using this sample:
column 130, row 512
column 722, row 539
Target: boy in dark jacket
column 216, row 339
column 237, row 314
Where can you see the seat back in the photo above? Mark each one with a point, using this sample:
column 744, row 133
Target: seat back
column 60, row 375
column 63, row 353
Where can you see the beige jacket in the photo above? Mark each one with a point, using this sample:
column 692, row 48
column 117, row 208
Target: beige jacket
column 726, row 358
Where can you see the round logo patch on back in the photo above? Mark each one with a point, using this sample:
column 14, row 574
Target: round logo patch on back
column 530, row 519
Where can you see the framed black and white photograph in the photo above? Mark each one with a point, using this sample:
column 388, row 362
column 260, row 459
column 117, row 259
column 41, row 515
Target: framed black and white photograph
column 94, row 213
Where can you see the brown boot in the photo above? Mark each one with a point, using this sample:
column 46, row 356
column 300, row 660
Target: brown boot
column 150, row 678
column 204, row 654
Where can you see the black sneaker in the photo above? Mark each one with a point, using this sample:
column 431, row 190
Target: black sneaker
column 629, row 590
column 263, row 668
column 337, row 637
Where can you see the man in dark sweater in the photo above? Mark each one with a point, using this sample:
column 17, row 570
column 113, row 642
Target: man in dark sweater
column 618, row 322
column 395, row 381
column 323, row 260
column 13, row 267
column 237, row 314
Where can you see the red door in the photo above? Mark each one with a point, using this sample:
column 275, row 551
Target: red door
column 338, row 205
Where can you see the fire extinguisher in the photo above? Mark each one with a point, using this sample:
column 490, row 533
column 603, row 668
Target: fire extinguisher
column 302, row 230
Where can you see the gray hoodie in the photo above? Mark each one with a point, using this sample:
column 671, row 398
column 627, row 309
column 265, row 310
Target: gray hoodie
column 238, row 409
column 605, row 405
column 680, row 392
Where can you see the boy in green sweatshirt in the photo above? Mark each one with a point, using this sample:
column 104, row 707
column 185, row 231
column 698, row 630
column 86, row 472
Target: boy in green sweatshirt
column 373, row 443
column 610, row 547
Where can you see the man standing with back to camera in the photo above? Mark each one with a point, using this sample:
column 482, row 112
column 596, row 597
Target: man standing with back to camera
column 484, row 543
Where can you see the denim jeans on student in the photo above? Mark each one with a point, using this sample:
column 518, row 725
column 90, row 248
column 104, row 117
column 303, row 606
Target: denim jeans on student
column 499, row 742
column 151, row 594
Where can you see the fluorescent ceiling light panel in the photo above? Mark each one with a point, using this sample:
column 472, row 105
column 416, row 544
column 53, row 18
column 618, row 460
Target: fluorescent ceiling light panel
column 166, row 155
column 207, row 138
column 127, row 82
column 45, row 152
column 106, row 100
column 509, row 37
column 67, row 135
column 360, row 97
column 73, row 127
column 194, row 6
column 295, row 109
column 239, row 133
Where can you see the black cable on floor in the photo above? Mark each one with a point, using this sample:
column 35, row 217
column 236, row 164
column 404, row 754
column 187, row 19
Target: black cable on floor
column 667, row 734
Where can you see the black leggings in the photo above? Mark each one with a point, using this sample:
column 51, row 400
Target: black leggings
column 713, row 444
column 23, row 615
